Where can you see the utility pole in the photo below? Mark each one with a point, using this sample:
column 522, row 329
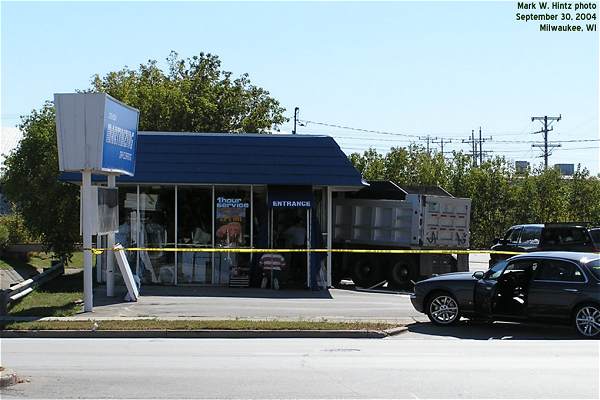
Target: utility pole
column 473, row 146
column 481, row 141
column 547, row 128
column 295, row 119
column 428, row 138
column 441, row 142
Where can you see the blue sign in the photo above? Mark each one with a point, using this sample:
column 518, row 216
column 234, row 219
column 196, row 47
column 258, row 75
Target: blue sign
column 290, row 196
column 120, row 137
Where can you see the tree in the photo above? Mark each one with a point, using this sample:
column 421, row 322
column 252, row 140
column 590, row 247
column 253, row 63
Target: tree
column 371, row 164
column 193, row 95
column 50, row 208
column 580, row 189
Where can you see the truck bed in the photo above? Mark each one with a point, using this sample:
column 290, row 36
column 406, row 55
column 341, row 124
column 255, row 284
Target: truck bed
column 420, row 221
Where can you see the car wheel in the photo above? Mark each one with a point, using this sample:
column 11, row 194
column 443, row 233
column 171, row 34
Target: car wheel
column 587, row 320
column 442, row 309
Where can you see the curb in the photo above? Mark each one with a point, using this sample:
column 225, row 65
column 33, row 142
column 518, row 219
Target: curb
column 203, row 334
column 396, row 331
column 8, row 378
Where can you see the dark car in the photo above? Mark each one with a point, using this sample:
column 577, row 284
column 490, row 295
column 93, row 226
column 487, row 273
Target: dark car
column 553, row 287
column 595, row 234
column 544, row 237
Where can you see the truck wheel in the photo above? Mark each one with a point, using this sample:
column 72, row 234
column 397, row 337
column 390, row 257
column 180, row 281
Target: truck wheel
column 337, row 272
column 401, row 272
column 366, row 272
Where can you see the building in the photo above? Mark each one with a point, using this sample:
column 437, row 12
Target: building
column 565, row 169
column 521, row 166
column 231, row 191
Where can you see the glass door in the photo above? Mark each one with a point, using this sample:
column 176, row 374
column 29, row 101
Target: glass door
column 194, row 232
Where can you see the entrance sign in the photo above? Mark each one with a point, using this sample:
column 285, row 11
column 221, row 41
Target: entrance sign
column 95, row 132
column 290, row 197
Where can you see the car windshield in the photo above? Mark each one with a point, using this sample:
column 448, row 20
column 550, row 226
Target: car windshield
column 496, row 270
column 594, row 266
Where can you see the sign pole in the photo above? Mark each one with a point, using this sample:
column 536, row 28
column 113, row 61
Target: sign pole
column 110, row 257
column 329, row 234
column 87, row 240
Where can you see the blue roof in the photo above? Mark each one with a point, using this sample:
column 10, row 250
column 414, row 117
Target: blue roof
column 215, row 158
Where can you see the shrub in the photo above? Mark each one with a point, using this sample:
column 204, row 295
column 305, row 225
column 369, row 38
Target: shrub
column 3, row 237
column 16, row 231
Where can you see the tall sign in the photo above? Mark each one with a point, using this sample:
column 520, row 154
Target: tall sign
column 96, row 134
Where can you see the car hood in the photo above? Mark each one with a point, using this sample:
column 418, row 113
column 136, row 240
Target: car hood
column 454, row 276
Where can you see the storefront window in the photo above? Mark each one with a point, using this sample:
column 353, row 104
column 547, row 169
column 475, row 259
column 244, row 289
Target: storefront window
column 157, row 230
column 232, row 230
column 127, row 234
column 194, row 230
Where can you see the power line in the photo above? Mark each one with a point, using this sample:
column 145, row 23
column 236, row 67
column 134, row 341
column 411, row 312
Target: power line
column 555, row 141
column 358, row 129
column 445, row 135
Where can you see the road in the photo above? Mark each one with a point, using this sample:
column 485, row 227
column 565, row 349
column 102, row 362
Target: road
column 408, row 367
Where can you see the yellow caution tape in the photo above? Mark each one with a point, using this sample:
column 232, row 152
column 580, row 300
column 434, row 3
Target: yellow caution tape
column 247, row 250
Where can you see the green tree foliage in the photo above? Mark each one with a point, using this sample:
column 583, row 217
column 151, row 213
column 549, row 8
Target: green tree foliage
column 192, row 95
column 49, row 208
column 500, row 196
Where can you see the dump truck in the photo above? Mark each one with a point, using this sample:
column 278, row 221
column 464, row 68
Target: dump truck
column 385, row 216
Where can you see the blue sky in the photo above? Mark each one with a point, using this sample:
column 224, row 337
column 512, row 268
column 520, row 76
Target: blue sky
column 438, row 68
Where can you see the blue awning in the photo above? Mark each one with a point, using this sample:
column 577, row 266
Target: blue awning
column 214, row 158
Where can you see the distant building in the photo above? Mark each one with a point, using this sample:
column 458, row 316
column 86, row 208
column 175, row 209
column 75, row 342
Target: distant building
column 521, row 166
column 565, row 169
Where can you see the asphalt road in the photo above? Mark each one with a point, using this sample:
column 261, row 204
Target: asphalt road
column 302, row 368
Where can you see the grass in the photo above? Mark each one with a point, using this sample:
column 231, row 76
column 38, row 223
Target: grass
column 61, row 297
column 41, row 260
column 154, row 324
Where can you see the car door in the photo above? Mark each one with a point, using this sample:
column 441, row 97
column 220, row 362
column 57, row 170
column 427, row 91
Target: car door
column 485, row 288
column 509, row 299
column 530, row 238
column 555, row 288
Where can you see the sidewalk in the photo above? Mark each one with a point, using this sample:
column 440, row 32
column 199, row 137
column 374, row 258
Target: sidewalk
column 219, row 303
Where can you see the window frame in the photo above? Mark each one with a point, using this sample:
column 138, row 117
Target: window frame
column 519, row 231
column 565, row 261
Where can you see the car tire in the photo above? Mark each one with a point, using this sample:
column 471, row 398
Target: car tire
column 442, row 309
column 586, row 320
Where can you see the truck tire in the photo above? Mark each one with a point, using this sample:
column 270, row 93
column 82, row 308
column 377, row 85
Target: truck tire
column 337, row 271
column 366, row 272
column 401, row 271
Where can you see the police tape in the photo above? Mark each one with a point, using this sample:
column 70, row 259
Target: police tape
column 98, row 251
